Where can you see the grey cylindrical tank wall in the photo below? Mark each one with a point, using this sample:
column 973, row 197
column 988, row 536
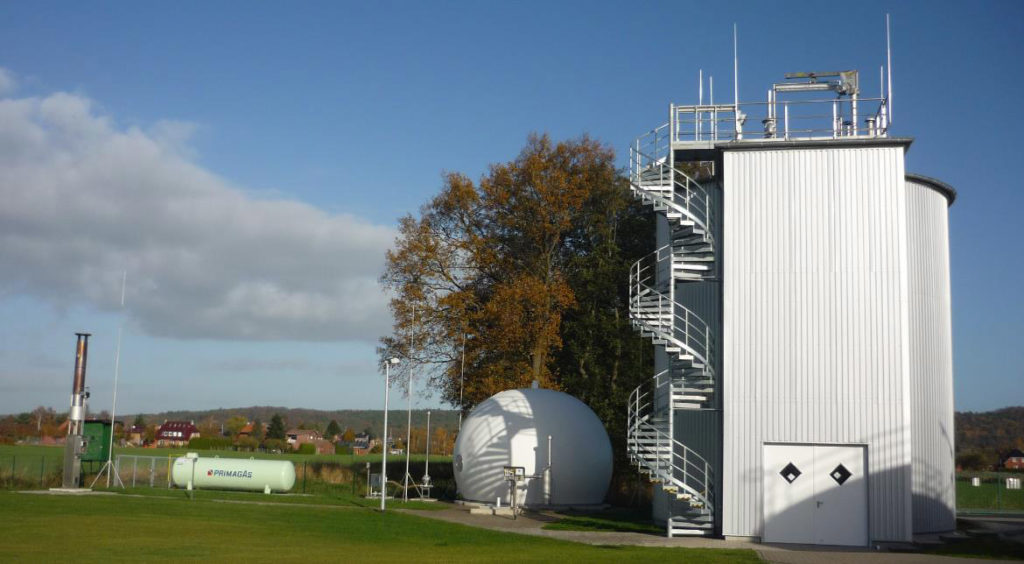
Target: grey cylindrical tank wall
column 813, row 320
column 931, row 358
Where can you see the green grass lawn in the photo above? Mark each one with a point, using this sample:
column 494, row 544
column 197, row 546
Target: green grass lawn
column 343, row 497
column 39, row 527
column 990, row 495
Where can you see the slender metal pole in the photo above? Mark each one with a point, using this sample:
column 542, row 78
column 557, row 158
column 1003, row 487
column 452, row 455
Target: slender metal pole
column 700, row 87
column 785, row 116
column 736, row 84
column 408, row 421
column 549, row 468
column 462, row 378
column 426, row 471
column 700, row 102
column 117, row 373
column 888, row 64
column 714, row 110
column 384, row 440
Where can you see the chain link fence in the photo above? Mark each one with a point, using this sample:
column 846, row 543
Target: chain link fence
column 28, row 472
column 312, row 477
column 976, row 492
column 141, row 471
column 981, row 492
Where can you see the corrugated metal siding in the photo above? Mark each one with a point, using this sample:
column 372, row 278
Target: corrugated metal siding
column 815, row 315
column 705, row 299
column 701, row 430
column 931, row 360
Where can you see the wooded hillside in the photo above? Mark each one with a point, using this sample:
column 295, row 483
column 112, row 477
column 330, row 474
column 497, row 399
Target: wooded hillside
column 356, row 419
column 982, row 437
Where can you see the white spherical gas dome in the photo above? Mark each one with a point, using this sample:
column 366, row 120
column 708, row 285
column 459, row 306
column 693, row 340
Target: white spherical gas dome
column 511, row 428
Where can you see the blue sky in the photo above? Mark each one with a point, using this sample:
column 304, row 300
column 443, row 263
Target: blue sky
column 246, row 164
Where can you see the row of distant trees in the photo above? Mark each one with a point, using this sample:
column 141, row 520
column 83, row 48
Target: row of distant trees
column 40, row 422
column 273, row 436
column 223, row 433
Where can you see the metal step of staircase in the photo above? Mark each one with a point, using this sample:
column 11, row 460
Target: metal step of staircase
column 689, row 383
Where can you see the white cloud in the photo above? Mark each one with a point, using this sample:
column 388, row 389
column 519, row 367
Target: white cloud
column 81, row 200
column 8, row 83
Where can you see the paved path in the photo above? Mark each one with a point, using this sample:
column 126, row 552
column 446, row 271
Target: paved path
column 531, row 523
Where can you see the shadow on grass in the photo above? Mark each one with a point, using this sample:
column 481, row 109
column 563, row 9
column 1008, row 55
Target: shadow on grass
column 992, row 548
column 612, row 520
column 340, row 500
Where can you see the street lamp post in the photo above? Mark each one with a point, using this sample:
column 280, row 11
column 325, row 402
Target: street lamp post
column 384, row 443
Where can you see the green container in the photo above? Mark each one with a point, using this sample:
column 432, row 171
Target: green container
column 97, row 441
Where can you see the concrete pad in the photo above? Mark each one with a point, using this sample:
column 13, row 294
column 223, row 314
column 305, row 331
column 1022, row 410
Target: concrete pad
column 67, row 491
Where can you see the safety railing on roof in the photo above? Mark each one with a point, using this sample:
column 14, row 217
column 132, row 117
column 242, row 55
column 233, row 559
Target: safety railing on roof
column 838, row 118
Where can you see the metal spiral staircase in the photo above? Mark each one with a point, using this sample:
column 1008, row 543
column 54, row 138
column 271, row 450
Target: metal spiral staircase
column 688, row 383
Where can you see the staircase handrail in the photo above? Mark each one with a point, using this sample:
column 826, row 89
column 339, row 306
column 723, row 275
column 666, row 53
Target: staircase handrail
column 694, row 468
column 695, row 205
column 696, row 336
column 657, row 141
column 638, row 397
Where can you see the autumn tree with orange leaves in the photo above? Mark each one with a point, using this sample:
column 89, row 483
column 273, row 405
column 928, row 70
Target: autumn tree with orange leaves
column 527, row 272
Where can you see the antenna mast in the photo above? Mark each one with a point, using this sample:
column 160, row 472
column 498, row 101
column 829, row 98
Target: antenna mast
column 888, row 65
column 736, row 83
column 700, row 87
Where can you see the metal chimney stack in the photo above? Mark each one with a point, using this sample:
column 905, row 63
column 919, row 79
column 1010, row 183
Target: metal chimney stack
column 76, row 417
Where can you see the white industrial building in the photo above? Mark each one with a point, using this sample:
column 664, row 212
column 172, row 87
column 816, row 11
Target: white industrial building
column 799, row 303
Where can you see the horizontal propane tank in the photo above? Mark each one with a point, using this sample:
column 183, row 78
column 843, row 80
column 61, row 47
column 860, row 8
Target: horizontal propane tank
column 246, row 474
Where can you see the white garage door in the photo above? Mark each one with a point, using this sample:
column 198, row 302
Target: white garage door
column 815, row 494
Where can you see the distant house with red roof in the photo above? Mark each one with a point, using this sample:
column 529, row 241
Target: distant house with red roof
column 249, row 428
column 298, row 437
column 176, row 433
column 1014, row 460
column 135, row 435
column 362, row 444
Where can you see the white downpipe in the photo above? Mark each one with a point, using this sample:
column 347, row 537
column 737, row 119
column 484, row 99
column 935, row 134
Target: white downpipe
column 547, row 476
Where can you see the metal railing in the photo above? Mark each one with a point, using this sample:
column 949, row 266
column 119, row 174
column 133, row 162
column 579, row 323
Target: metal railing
column 800, row 119
column 989, row 492
column 31, row 471
column 137, row 470
column 657, row 313
column 685, row 196
column 684, row 469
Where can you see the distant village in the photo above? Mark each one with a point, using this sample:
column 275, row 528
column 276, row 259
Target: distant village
column 46, row 427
